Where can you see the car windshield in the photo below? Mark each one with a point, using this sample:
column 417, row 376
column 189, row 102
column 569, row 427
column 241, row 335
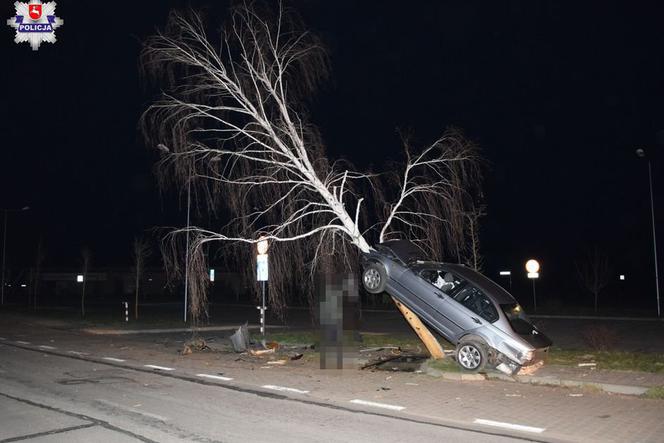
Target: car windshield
column 517, row 318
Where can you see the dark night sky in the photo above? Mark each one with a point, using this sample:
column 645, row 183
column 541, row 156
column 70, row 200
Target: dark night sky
column 557, row 95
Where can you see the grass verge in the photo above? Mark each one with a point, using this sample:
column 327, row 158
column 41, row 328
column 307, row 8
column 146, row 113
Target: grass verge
column 656, row 392
column 617, row 360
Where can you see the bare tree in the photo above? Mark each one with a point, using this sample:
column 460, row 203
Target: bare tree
column 140, row 252
column 233, row 119
column 594, row 272
column 473, row 257
column 86, row 258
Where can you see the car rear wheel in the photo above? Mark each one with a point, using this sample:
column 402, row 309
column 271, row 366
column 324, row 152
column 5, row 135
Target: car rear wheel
column 374, row 278
column 471, row 355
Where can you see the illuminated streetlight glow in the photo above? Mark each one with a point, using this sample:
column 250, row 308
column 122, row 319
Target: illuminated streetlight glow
column 79, row 278
column 505, row 273
column 532, row 266
column 211, row 274
column 622, row 277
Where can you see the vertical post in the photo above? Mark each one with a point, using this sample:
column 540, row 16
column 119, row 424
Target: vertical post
column 263, row 309
column 4, row 251
column 186, row 263
column 534, row 295
column 654, row 237
column 126, row 309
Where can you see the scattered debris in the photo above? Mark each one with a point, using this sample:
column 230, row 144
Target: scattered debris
column 240, row 339
column 513, row 395
column 297, row 356
column 576, row 395
column 530, row 370
column 583, row 365
column 276, row 362
column 272, row 345
column 259, row 352
column 382, row 348
column 412, row 384
column 196, row 344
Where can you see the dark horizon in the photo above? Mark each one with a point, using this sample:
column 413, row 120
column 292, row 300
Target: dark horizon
column 558, row 98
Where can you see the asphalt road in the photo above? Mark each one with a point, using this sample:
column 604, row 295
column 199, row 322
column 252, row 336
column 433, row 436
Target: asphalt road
column 49, row 398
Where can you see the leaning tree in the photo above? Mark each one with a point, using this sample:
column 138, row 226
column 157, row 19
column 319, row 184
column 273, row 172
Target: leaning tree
column 232, row 123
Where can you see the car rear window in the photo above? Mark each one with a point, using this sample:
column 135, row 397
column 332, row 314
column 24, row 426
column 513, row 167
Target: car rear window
column 517, row 318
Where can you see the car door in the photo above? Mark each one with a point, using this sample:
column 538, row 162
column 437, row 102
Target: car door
column 470, row 308
column 426, row 297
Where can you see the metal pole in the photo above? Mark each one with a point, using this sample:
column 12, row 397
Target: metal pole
column 4, row 250
column 534, row 295
column 186, row 264
column 654, row 237
column 263, row 309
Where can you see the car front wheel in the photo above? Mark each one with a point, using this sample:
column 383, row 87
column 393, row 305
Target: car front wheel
column 374, row 278
column 471, row 355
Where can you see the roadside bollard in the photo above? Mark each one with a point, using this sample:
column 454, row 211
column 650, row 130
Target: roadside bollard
column 126, row 309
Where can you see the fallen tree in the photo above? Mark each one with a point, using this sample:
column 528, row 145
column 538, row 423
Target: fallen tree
column 232, row 121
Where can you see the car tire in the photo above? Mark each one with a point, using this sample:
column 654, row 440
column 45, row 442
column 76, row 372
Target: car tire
column 374, row 278
column 471, row 355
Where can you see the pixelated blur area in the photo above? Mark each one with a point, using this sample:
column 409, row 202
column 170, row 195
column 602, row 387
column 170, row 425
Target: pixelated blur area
column 339, row 310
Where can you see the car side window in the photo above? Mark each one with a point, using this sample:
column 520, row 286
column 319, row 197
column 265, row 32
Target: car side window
column 445, row 281
column 475, row 300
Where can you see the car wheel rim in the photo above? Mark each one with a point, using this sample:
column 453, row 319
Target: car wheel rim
column 371, row 279
column 469, row 357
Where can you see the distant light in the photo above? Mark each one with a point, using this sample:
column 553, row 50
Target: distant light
column 622, row 277
column 149, row 279
column 23, row 285
column 533, row 275
column 211, row 274
column 532, row 266
column 505, row 272
column 79, row 278
column 640, row 152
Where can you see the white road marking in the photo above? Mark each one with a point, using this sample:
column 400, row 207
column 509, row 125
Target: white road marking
column 500, row 424
column 47, row 347
column 161, row 368
column 378, row 405
column 214, row 377
column 21, row 342
column 119, row 360
column 78, row 353
column 284, row 388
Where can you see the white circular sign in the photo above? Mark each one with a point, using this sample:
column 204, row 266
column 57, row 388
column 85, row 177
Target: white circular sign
column 532, row 266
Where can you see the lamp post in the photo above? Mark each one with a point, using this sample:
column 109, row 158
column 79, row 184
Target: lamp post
column 641, row 153
column 4, row 249
column 165, row 150
column 533, row 267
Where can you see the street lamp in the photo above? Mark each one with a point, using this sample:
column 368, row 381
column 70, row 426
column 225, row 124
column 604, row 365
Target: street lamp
column 641, row 153
column 533, row 267
column 4, row 249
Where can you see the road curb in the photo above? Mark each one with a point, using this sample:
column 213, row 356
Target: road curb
column 548, row 380
column 557, row 381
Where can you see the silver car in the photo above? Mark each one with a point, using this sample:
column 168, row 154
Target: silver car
column 487, row 325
